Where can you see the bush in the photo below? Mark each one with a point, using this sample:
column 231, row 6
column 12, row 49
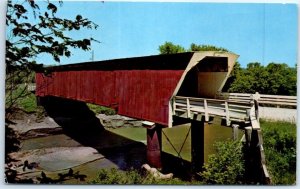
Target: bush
column 115, row 176
column 226, row 166
column 280, row 149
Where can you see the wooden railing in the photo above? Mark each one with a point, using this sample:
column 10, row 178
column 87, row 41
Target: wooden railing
column 230, row 110
column 275, row 100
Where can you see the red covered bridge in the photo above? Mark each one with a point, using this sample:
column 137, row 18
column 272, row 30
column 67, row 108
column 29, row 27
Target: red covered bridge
column 140, row 87
column 155, row 89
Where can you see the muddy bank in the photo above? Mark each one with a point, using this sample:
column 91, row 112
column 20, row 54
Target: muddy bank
column 29, row 126
column 73, row 153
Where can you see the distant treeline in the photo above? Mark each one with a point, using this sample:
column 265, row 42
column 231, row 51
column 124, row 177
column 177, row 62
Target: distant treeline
column 274, row 79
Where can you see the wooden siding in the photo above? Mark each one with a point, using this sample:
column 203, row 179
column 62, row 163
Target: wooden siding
column 142, row 94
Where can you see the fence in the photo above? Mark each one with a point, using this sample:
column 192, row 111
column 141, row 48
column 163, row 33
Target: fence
column 263, row 99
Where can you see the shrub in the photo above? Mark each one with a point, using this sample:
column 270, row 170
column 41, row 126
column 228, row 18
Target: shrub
column 226, row 166
column 115, row 176
column 280, row 149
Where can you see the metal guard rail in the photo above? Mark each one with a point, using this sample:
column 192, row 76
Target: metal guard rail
column 278, row 100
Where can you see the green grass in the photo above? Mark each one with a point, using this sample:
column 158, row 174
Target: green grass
column 28, row 103
column 280, row 150
column 21, row 98
column 115, row 176
column 101, row 109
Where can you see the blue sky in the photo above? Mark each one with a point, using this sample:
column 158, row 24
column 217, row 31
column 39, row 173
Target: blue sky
column 257, row 32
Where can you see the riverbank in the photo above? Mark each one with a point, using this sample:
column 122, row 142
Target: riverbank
column 55, row 150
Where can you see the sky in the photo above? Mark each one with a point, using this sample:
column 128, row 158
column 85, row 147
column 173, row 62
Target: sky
column 256, row 32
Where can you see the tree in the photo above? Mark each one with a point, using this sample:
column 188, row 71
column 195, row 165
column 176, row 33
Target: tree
column 195, row 47
column 45, row 35
column 250, row 80
column 170, row 48
column 274, row 79
column 282, row 80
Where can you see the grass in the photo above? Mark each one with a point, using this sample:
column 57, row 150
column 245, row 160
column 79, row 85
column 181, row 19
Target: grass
column 280, row 150
column 101, row 109
column 23, row 99
column 28, row 103
column 115, row 176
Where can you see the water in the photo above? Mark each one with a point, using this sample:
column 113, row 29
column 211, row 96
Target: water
column 179, row 138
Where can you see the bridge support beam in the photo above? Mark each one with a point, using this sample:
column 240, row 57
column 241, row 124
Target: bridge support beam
column 197, row 145
column 154, row 146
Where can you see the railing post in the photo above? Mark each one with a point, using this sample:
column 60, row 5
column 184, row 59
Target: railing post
column 227, row 114
column 206, row 111
column 174, row 105
column 188, row 107
column 235, row 131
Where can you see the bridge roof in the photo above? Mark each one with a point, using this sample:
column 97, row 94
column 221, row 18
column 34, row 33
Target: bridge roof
column 155, row 62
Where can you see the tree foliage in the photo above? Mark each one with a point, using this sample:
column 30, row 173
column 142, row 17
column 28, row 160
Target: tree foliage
column 170, row 48
column 274, row 79
column 195, row 47
column 34, row 29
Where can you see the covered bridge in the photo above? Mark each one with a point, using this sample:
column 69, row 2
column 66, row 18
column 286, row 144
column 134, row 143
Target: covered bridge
column 158, row 88
column 141, row 87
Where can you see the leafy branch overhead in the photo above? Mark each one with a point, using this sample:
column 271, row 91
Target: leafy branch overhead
column 33, row 29
column 47, row 34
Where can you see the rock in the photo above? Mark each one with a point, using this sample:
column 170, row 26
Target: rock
column 155, row 173
column 137, row 123
column 116, row 121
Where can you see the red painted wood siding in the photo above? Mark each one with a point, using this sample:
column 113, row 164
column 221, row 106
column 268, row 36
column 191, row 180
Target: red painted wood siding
column 142, row 94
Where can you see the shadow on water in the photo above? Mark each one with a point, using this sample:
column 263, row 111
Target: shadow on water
column 81, row 124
